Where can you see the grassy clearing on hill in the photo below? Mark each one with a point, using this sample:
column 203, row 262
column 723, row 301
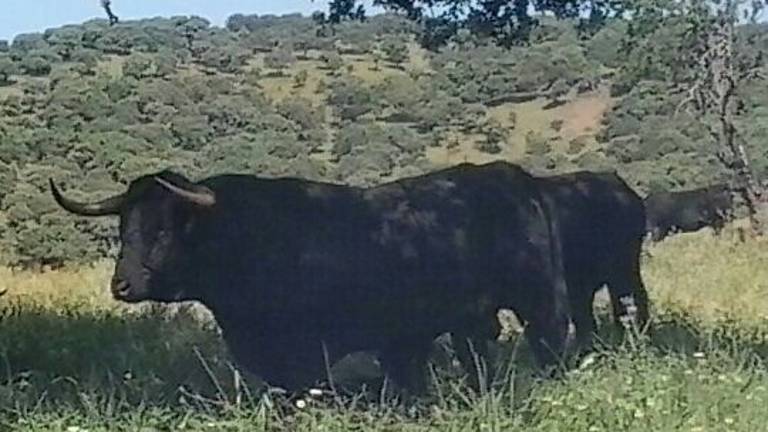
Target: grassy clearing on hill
column 580, row 114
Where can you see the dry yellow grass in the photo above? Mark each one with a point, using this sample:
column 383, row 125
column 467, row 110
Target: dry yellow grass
column 279, row 88
column 84, row 287
column 581, row 116
column 12, row 90
column 710, row 277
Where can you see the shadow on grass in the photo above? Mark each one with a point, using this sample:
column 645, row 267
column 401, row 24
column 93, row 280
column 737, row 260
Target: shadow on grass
column 73, row 357
column 106, row 360
column 668, row 335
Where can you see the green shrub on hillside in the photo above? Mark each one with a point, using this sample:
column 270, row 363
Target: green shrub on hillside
column 7, row 68
column 576, row 145
column 537, row 144
column 35, row 66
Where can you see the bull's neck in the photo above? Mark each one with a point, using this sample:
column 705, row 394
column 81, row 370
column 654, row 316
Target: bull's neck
column 232, row 251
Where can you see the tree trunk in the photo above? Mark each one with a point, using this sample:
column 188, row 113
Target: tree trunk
column 732, row 154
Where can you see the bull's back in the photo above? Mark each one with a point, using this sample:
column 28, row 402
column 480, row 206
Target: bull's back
column 467, row 221
column 589, row 204
column 424, row 246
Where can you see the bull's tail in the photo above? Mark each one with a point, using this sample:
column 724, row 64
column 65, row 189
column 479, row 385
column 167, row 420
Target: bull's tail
column 562, row 308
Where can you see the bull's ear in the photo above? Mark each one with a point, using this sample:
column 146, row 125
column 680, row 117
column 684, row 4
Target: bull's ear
column 198, row 195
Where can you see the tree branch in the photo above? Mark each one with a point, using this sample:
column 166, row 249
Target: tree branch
column 107, row 5
column 693, row 96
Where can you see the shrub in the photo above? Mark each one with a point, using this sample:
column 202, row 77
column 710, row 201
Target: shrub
column 300, row 79
column 35, row 66
column 487, row 146
column 536, row 144
column 7, row 68
column 576, row 145
column 556, row 125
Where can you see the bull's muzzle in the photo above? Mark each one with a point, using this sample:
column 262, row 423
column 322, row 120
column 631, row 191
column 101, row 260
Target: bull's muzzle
column 121, row 289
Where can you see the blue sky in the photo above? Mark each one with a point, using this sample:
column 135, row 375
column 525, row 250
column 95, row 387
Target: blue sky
column 25, row 16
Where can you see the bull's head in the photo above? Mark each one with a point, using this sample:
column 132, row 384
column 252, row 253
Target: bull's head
column 156, row 214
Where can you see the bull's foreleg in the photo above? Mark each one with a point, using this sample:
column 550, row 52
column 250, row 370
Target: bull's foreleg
column 629, row 297
column 471, row 346
column 630, row 312
column 405, row 364
column 290, row 362
column 548, row 342
column 546, row 331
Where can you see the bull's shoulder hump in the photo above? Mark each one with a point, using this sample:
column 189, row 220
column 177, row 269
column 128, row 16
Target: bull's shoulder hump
column 279, row 188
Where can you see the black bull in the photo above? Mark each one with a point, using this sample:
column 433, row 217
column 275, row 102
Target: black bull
column 688, row 210
column 602, row 225
column 295, row 271
column 602, row 222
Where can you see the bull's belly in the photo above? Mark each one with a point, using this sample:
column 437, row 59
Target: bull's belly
column 300, row 359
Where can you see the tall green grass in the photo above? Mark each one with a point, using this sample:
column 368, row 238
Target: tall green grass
column 71, row 359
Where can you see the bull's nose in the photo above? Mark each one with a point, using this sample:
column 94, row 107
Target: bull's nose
column 120, row 287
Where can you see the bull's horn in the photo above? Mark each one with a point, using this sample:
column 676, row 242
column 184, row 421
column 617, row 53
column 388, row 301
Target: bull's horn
column 203, row 196
column 109, row 206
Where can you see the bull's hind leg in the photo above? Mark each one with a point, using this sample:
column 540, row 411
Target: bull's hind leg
column 582, row 297
column 629, row 297
column 297, row 363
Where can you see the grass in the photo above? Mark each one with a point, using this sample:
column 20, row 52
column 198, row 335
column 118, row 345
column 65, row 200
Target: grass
column 71, row 359
column 720, row 279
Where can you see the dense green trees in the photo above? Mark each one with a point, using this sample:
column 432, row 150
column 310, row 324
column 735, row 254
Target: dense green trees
column 508, row 22
column 95, row 106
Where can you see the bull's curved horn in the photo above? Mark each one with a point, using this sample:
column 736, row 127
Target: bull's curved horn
column 106, row 207
column 203, row 197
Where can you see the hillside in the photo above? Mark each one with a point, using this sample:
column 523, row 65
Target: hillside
column 95, row 106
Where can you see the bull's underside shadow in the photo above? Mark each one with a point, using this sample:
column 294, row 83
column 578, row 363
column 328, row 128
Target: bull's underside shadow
column 155, row 359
